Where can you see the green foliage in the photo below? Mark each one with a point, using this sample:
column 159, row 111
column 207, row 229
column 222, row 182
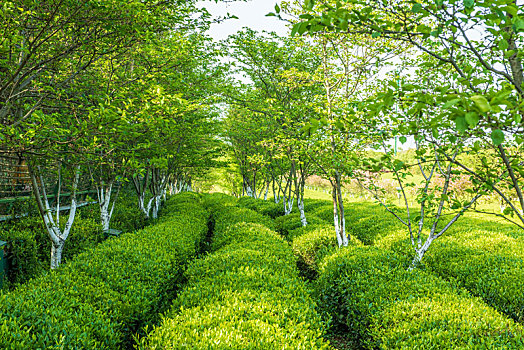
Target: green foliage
column 22, row 254
column 490, row 272
column 231, row 215
column 246, row 295
column 268, row 208
column 311, row 244
column 287, row 223
column 127, row 217
column 370, row 293
column 29, row 245
column 106, row 294
column 310, row 205
column 215, row 201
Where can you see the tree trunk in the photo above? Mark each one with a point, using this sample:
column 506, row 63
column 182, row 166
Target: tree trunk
column 104, row 201
column 300, row 204
column 338, row 214
column 141, row 206
column 56, row 254
column 420, row 252
column 58, row 237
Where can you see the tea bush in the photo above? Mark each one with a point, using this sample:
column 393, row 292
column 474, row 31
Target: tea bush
column 370, row 293
column 263, row 207
column 106, row 294
column 287, row 223
column 246, row 295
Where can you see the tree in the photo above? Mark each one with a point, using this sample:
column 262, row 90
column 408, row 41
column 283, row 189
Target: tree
column 280, row 96
column 481, row 105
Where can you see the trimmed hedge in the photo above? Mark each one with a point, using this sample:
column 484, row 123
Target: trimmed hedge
column 231, row 215
column 246, row 295
column 216, row 201
column 287, row 223
column 489, row 264
column 312, row 244
column 368, row 222
column 263, row 207
column 106, row 294
column 496, row 277
column 29, row 246
column 370, row 293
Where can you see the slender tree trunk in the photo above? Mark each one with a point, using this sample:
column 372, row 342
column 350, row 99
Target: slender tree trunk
column 338, row 212
column 344, row 235
column 104, row 202
column 300, row 204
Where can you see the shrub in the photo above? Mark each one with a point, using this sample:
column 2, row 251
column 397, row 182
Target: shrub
column 29, row 246
column 231, row 215
column 263, row 207
column 106, row 294
column 22, row 254
column 126, row 215
column 287, row 223
column 369, row 292
column 216, row 201
column 310, row 205
column 315, row 244
column 324, row 212
column 497, row 278
column 246, row 295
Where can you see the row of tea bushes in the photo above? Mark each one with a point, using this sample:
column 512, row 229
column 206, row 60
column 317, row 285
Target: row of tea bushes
column 497, row 277
column 245, row 295
column 311, row 244
column 29, row 246
column 490, row 264
column 370, row 294
column 108, row 293
column 264, row 207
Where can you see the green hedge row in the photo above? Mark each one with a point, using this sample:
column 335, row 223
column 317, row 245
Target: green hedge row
column 311, row 244
column 228, row 216
column 29, row 246
column 246, row 295
column 106, row 294
column 371, row 295
column 263, row 207
column 489, row 264
column 288, row 223
column 368, row 222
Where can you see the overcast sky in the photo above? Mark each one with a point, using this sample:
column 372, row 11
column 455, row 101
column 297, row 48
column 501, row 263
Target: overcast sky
column 250, row 14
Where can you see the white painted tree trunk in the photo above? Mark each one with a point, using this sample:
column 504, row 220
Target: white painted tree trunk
column 142, row 207
column 340, row 221
column 421, row 251
column 56, row 254
column 288, row 205
column 156, row 206
column 249, row 191
column 303, row 220
column 58, row 237
column 337, row 228
column 104, row 202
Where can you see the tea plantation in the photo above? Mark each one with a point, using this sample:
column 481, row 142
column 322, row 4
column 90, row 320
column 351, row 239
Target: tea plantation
column 216, row 272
